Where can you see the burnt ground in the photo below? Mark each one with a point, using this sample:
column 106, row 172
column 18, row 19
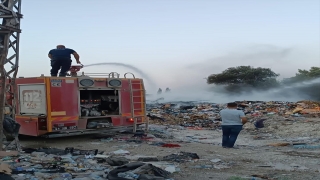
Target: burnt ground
column 255, row 157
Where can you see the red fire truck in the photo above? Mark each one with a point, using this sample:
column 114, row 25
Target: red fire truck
column 85, row 104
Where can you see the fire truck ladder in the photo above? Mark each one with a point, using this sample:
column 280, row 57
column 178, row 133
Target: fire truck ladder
column 143, row 105
column 10, row 13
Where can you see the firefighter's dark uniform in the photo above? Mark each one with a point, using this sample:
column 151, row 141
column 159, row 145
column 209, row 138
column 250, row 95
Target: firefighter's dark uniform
column 61, row 58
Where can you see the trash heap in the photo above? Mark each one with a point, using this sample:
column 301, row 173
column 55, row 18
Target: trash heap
column 206, row 115
column 186, row 114
column 307, row 108
column 70, row 163
column 286, row 109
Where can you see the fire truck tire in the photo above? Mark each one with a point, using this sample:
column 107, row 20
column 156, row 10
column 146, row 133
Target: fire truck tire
column 10, row 125
column 45, row 136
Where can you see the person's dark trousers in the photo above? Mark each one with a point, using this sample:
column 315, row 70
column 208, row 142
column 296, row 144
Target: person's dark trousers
column 230, row 134
column 64, row 64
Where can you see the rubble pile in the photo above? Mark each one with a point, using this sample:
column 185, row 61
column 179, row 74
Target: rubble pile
column 189, row 115
column 286, row 123
column 206, row 115
column 57, row 164
column 308, row 108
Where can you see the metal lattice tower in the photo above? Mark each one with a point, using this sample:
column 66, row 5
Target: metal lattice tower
column 10, row 13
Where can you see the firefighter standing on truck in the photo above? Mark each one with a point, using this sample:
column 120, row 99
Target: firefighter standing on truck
column 61, row 60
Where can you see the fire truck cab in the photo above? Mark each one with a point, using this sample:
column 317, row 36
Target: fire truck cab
column 65, row 106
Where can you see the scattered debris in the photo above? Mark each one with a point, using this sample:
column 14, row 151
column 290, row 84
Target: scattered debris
column 277, row 126
column 206, row 115
column 181, row 157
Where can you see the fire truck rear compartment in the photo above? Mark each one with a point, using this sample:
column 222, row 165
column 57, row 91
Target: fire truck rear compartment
column 97, row 103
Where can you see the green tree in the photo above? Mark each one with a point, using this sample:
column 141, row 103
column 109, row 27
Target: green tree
column 304, row 75
column 245, row 76
column 309, row 90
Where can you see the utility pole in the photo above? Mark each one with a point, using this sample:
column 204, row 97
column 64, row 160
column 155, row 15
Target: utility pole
column 10, row 13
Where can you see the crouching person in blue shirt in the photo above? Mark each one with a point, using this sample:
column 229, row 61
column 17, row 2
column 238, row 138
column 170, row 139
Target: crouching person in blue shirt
column 232, row 122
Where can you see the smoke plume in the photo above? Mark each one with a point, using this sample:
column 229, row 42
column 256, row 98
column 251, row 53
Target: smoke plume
column 266, row 56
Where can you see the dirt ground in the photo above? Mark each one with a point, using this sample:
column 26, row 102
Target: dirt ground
column 254, row 156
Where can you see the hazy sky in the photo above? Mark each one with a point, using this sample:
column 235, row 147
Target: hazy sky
column 175, row 42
